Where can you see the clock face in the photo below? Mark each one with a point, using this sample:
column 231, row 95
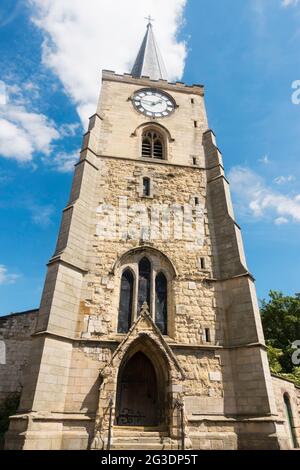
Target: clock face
column 153, row 103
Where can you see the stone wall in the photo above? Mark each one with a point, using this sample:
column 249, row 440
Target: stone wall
column 281, row 388
column 193, row 307
column 15, row 332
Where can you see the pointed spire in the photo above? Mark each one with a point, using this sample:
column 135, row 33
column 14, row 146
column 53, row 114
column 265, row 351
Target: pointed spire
column 149, row 62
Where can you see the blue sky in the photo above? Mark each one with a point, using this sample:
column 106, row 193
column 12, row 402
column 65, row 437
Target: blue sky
column 245, row 53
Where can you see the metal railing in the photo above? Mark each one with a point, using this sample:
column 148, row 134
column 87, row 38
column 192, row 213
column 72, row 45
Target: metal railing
column 111, row 404
column 180, row 407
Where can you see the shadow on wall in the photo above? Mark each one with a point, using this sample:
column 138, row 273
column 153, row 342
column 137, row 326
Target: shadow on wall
column 90, row 407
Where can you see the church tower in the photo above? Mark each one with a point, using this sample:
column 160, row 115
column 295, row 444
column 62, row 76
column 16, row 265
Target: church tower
column 149, row 333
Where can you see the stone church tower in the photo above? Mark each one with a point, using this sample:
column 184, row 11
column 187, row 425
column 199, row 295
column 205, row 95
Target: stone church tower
column 149, row 333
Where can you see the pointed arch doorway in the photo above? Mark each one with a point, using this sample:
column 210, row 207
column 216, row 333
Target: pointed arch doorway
column 138, row 399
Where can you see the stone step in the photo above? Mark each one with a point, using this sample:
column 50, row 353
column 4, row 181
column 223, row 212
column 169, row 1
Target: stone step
column 144, row 445
column 150, row 440
column 141, row 439
column 141, row 447
column 140, row 435
column 138, row 429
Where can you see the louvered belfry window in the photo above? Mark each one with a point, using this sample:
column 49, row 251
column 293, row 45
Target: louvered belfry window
column 153, row 145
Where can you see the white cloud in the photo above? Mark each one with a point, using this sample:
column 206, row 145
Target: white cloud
column 288, row 3
column 5, row 178
column 10, row 12
column 41, row 215
column 284, row 179
column 82, row 37
column 255, row 198
column 3, row 94
column 22, row 133
column 6, row 277
column 281, row 221
column 22, row 94
column 64, row 162
column 69, row 130
column 14, row 142
column 265, row 160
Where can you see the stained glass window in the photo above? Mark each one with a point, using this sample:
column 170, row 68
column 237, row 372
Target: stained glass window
column 126, row 298
column 161, row 300
column 144, row 283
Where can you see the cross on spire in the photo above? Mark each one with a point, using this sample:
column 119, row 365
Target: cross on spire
column 149, row 19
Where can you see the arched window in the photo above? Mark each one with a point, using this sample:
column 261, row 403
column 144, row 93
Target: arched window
column 153, row 145
column 144, row 290
column 145, row 277
column 161, row 302
column 290, row 421
column 126, row 299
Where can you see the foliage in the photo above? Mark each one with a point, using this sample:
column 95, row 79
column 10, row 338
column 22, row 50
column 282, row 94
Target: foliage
column 9, row 408
column 281, row 323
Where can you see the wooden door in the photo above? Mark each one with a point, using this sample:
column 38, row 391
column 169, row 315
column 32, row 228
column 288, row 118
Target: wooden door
column 138, row 403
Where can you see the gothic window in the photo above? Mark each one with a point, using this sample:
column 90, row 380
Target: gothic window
column 126, row 298
column 153, row 145
column 161, row 301
column 146, row 187
column 145, row 281
column 290, row 421
column 144, row 290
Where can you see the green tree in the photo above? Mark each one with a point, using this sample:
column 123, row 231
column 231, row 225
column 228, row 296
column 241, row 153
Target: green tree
column 281, row 323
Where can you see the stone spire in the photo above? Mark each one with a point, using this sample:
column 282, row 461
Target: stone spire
column 149, row 62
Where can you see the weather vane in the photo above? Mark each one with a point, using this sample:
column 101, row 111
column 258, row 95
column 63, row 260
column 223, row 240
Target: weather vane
column 149, row 19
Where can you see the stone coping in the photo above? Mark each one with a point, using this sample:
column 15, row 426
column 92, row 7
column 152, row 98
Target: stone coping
column 57, row 416
column 111, row 75
column 118, row 340
column 16, row 314
column 54, row 416
column 139, row 160
column 285, row 380
column 234, row 419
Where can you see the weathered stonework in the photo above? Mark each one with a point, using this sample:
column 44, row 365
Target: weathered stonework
column 290, row 427
column 211, row 367
column 15, row 337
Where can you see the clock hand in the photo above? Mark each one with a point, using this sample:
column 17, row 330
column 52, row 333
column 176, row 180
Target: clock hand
column 153, row 103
